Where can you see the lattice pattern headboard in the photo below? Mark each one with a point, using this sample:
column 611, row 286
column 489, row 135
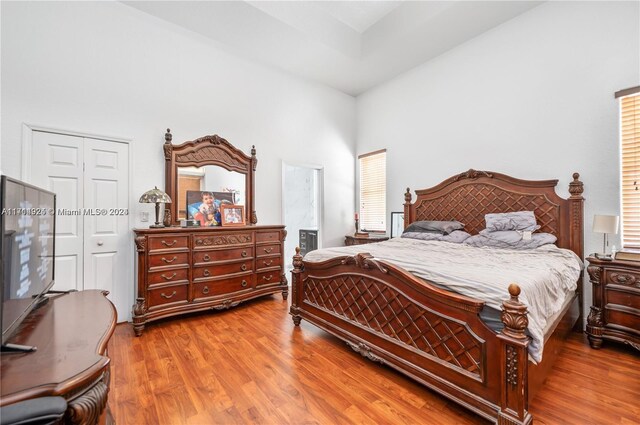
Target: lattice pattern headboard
column 468, row 196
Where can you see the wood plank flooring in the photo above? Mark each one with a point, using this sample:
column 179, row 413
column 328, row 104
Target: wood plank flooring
column 249, row 365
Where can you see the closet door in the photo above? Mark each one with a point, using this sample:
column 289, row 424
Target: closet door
column 56, row 165
column 91, row 180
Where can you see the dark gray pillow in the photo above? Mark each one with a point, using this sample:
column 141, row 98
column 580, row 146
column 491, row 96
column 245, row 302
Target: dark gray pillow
column 457, row 236
column 443, row 227
column 520, row 220
column 509, row 239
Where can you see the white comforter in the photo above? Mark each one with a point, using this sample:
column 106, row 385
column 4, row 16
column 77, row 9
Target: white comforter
column 546, row 275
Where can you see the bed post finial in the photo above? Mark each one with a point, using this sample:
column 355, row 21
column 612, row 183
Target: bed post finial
column 514, row 314
column 576, row 187
column 407, row 196
column 407, row 208
column 294, row 311
column 168, row 136
column 514, row 403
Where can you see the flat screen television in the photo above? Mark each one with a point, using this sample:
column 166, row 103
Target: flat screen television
column 28, row 223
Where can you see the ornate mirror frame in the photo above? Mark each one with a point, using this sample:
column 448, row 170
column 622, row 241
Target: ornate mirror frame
column 207, row 150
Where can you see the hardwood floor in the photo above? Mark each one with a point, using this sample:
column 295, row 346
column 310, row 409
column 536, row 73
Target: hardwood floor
column 249, row 365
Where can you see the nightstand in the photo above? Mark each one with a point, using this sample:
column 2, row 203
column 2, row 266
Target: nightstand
column 361, row 240
column 615, row 311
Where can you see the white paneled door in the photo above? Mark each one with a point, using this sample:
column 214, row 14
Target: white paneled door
column 91, row 180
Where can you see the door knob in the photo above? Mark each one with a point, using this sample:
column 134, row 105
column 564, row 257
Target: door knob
column 100, row 243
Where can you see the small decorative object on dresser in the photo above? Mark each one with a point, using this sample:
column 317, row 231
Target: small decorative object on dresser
column 232, row 215
column 606, row 224
column 363, row 238
column 615, row 312
column 155, row 196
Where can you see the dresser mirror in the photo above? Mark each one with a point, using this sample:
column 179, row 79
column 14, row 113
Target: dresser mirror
column 210, row 171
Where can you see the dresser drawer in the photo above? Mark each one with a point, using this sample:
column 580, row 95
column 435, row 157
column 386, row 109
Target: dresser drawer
column 263, row 250
column 213, row 288
column 202, row 257
column 622, row 277
column 222, row 269
column 266, row 262
column 169, row 259
column 168, row 242
column 268, row 236
column 223, row 239
column 168, row 295
column 168, row 276
column 269, row 278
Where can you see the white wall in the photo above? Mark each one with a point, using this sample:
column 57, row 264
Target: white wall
column 108, row 69
column 532, row 98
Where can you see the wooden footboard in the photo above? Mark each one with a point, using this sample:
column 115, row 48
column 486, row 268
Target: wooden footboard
column 433, row 336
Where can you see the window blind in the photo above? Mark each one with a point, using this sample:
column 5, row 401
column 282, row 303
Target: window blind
column 373, row 191
column 630, row 166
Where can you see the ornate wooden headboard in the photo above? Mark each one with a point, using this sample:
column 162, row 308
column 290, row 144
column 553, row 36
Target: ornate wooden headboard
column 468, row 196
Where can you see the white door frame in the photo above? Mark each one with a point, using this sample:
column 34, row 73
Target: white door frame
column 25, row 175
column 320, row 169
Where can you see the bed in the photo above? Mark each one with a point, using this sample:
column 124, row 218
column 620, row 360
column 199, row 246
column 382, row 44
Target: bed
column 438, row 337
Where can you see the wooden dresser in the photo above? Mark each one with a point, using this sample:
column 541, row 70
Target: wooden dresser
column 615, row 312
column 362, row 240
column 182, row 270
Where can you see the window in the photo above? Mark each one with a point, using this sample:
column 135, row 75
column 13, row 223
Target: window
column 630, row 165
column 373, row 191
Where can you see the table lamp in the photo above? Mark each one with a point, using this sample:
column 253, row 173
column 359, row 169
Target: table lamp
column 156, row 196
column 605, row 224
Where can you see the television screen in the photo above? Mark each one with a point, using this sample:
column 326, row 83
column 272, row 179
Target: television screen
column 28, row 243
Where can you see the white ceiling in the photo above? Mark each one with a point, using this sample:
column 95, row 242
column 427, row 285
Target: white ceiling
column 349, row 45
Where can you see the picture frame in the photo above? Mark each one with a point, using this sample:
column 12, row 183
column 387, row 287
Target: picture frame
column 232, row 215
column 206, row 215
column 397, row 224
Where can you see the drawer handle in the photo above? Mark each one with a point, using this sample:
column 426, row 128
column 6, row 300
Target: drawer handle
column 243, row 267
column 267, row 278
column 169, row 277
column 244, row 283
column 168, row 296
column 170, row 261
column 268, row 263
column 205, row 290
column 206, row 272
column 268, row 250
column 206, row 257
column 243, row 254
column 165, row 243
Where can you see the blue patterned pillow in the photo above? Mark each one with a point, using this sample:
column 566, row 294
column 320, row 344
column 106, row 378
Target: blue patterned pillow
column 521, row 220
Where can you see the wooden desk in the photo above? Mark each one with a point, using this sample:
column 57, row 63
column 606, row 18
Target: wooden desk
column 71, row 333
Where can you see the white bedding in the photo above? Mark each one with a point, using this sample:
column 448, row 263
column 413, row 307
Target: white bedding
column 546, row 275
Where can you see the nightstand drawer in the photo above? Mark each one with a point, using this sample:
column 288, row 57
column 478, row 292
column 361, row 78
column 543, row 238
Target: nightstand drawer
column 623, row 298
column 622, row 277
column 627, row 318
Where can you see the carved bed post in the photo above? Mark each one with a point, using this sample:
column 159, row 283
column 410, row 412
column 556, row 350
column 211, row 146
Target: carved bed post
column 514, row 400
column 576, row 187
column 295, row 281
column 407, row 208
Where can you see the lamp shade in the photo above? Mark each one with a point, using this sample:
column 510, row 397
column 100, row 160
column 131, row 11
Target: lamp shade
column 605, row 223
column 154, row 195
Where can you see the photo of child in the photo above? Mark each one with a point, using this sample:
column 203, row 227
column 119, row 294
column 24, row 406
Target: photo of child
column 204, row 206
column 232, row 215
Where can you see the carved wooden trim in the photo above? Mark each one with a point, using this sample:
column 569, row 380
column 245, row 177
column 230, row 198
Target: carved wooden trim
column 365, row 351
column 226, row 304
column 472, row 174
column 223, row 240
column 512, row 366
column 87, row 408
column 595, row 274
column 596, row 319
column 576, row 187
column 141, row 243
